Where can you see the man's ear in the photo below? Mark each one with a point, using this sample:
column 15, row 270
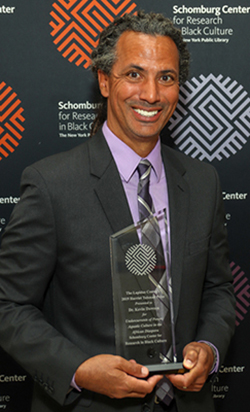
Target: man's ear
column 103, row 80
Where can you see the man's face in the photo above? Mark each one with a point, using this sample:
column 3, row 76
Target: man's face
column 142, row 90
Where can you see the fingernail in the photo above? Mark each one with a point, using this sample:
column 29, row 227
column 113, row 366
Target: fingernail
column 188, row 362
column 144, row 371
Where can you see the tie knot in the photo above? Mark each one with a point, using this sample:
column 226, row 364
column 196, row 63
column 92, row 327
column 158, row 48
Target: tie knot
column 144, row 168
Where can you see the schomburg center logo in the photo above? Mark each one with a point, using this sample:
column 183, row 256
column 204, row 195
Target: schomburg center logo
column 77, row 24
column 11, row 120
column 212, row 118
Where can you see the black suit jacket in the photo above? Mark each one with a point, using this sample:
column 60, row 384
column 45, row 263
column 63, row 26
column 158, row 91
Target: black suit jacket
column 55, row 286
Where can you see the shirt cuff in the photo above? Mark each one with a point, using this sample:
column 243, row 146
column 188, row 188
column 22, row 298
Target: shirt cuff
column 74, row 385
column 215, row 366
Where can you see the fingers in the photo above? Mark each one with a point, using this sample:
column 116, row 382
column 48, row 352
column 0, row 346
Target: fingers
column 143, row 385
column 198, row 359
column 115, row 377
column 133, row 368
column 140, row 388
column 191, row 358
column 187, row 382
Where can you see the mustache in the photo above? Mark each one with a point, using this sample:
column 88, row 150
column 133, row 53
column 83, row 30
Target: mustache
column 145, row 105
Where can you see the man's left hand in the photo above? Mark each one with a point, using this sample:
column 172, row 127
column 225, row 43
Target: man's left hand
column 198, row 359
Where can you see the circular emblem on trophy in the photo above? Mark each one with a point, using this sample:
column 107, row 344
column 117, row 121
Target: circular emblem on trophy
column 140, row 259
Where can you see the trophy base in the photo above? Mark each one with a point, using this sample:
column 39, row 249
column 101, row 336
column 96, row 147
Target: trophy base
column 166, row 368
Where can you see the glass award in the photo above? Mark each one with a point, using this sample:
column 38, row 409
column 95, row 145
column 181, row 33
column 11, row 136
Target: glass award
column 142, row 295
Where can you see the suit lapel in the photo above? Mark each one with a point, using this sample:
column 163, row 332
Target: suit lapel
column 178, row 192
column 108, row 187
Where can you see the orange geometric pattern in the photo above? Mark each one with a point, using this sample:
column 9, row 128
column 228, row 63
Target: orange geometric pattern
column 77, row 24
column 10, row 120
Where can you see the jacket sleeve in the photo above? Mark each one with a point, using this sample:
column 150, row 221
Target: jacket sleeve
column 216, row 321
column 28, row 258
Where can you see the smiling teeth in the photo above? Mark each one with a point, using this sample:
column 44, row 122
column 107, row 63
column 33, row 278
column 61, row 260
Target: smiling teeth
column 146, row 113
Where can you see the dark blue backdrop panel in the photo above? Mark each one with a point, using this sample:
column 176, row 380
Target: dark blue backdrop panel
column 48, row 100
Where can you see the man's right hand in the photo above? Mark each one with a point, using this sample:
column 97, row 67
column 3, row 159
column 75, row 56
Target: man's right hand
column 115, row 377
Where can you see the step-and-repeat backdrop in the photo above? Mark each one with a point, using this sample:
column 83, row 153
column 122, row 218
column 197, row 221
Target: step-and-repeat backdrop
column 48, row 101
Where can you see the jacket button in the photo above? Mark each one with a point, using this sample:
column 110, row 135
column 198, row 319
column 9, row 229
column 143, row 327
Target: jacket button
column 145, row 408
column 51, row 389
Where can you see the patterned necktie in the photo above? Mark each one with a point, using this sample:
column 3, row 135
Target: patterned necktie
column 144, row 198
column 150, row 234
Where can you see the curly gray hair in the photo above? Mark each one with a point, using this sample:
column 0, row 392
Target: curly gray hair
column 104, row 56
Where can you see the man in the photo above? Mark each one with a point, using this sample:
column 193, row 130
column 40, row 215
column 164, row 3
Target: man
column 55, row 287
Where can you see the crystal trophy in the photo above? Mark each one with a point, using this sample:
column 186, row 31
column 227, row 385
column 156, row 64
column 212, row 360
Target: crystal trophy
column 142, row 295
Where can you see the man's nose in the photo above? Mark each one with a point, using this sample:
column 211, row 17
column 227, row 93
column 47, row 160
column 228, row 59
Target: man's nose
column 150, row 91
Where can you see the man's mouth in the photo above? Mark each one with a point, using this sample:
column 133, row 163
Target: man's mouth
column 146, row 113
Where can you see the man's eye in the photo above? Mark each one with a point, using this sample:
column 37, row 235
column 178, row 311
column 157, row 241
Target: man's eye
column 166, row 78
column 134, row 75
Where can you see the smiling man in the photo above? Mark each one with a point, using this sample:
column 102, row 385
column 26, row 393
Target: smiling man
column 56, row 311
column 142, row 89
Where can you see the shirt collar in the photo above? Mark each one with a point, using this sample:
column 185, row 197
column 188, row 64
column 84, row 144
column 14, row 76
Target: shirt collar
column 127, row 160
